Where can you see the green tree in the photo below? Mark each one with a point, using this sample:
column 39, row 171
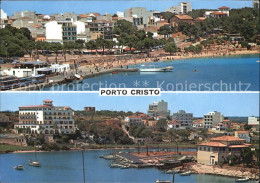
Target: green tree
column 91, row 45
column 161, row 124
column 246, row 156
column 170, row 47
column 56, row 47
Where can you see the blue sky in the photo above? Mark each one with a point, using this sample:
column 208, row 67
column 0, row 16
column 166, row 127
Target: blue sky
column 230, row 104
column 111, row 6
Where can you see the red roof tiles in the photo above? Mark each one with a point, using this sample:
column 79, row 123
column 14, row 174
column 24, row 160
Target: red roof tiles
column 226, row 138
column 223, row 8
column 213, row 144
column 184, row 17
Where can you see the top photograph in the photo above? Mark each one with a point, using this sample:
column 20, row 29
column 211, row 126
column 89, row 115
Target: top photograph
column 189, row 45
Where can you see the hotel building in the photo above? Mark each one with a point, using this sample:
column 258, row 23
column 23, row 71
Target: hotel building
column 46, row 119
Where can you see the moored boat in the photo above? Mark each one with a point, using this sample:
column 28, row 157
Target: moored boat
column 246, row 179
column 153, row 68
column 34, row 163
column 162, row 181
column 19, row 167
column 185, row 173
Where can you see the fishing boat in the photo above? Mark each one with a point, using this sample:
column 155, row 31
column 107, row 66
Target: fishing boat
column 18, row 167
column 246, row 179
column 153, row 68
column 185, row 173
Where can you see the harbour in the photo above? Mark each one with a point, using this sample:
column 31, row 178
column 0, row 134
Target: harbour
column 70, row 170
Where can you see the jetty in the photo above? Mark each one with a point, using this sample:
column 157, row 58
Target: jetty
column 162, row 162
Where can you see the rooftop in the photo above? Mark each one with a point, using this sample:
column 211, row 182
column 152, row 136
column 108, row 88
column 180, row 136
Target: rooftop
column 214, row 144
column 226, row 138
column 223, row 7
column 184, row 17
column 242, row 132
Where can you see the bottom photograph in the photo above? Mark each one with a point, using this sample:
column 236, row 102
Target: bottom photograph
column 84, row 137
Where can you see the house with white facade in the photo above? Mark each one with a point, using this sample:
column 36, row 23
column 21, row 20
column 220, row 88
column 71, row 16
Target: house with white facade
column 182, row 8
column 46, row 119
column 4, row 19
column 134, row 121
column 173, row 125
column 221, row 12
column 252, row 120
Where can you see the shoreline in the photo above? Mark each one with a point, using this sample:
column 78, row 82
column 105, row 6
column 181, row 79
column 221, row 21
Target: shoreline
column 88, row 149
column 90, row 72
column 229, row 171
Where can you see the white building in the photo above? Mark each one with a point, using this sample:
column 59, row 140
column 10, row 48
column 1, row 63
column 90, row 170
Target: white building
column 120, row 14
column 221, row 12
column 134, row 121
column 198, row 123
column 182, row 8
column 3, row 15
column 46, row 119
column 185, row 119
column 212, row 119
column 4, row 19
column 159, row 109
column 220, row 127
column 60, row 68
column 252, row 120
column 173, row 125
column 243, row 135
column 19, row 72
column 81, row 29
column 53, row 32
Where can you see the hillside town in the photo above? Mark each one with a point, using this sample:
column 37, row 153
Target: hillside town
column 217, row 140
column 43, row 50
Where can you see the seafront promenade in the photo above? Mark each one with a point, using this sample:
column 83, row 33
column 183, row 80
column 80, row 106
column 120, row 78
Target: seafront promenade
column 61, row 79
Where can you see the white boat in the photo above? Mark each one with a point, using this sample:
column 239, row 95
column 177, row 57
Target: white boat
column 258, row 61
column 34, row 163
column 169, row 171
column 246, row 179
column 162, row 181
column 185, row 173
column 18, row 167
column 153, row 68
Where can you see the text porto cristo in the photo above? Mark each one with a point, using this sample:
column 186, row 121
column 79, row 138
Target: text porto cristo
column 130, row 92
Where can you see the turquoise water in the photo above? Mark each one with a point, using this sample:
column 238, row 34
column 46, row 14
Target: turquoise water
column 233, row 73
column 67, row 167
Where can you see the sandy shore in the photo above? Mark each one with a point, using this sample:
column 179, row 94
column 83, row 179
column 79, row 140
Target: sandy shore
column 226, row 171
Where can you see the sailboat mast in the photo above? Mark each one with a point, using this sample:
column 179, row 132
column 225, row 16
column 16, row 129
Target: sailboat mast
column 83, row 164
